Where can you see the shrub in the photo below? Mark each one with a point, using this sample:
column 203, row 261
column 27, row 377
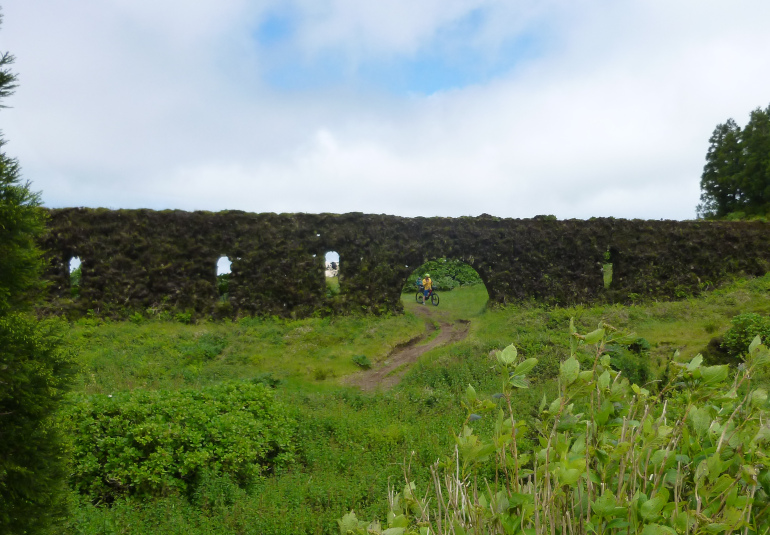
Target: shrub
column 205, row 347
column 155, row 443
column 267, row 379
column 631, row 360
column 362, row 361
column 745, row 327
column 611, row 457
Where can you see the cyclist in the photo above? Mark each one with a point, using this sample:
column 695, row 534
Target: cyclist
column 427, row 287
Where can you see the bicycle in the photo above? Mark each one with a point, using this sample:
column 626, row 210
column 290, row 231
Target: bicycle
column 433, row 296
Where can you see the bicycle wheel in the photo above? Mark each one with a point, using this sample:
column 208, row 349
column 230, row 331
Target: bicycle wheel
column 419, row 296
column 434, row 299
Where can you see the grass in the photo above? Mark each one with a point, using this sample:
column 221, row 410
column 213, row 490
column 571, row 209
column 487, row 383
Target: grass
column 466, row 302
column 349, row 442
column 332, row 286
column 158, row 354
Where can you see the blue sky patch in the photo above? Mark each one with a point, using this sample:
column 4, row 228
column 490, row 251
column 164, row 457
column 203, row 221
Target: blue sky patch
column 275, row 28
column 452, row 59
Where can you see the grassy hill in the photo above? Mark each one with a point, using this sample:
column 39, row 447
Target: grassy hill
column 345, row 445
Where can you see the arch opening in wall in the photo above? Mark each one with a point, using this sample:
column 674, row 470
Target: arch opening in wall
column 76, row 275
column 332, row 273
column 458, row 284
column 224, row 275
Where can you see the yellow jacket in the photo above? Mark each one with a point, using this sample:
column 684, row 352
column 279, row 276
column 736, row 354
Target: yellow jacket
column 427, row 283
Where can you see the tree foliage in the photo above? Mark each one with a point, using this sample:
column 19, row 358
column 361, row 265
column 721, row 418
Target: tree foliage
column 34, row 370
column 736, row 177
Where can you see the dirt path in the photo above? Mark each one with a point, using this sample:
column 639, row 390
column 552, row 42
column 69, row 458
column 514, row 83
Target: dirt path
column 390, row 371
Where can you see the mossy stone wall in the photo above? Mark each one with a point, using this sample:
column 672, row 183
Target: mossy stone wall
column 140, row 259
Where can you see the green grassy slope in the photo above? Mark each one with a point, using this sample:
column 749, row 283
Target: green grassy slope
column 349, row 443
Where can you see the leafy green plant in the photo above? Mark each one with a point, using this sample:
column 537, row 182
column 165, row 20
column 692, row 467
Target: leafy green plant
column 184, row 317
column 136, row 317
column 611, row 457
column 205, row 347
column 744, row 328
column 362, row 361
column 322, row 373
column 161, row 442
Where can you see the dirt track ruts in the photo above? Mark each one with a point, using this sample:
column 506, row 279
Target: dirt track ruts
column 390, row 371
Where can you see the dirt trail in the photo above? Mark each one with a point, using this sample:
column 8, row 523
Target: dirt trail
column 390, row 371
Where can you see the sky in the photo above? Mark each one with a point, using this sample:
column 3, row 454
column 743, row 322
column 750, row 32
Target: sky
column 515, row 108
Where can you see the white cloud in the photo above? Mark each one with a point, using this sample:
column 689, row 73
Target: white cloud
column 161, row 104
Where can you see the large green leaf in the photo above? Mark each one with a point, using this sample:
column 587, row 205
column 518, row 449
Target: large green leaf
column 508, row 355
column 519, row 381
column 701, row 420
column 525, row 366
column 759, row 397
column 605, row 504
column 348, row 523
column 594, row 337
column 714, row 374
column 569, row 476
column 650, row 510
column 569, row 371
column 657, row 529
column 604, row 380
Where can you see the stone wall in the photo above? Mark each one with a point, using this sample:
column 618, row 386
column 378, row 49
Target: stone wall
column 139, row 259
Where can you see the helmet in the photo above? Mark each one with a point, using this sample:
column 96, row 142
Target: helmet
column 427, row 275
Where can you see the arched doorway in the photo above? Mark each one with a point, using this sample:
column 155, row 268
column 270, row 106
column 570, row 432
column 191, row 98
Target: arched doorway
column 223, row 277
column 459, row 286
column 76, row 275
column 332, row 273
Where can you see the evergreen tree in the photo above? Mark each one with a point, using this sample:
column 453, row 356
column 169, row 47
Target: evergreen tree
column 720, row 174
column 755, row 157
column 34, row 369
column 736, row 177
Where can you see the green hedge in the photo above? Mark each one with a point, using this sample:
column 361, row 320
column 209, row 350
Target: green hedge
column 161, row 442
column 140, row 260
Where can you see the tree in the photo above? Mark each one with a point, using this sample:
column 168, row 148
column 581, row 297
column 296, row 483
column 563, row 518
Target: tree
column 755, row 156
column 736, row 177
column 34, row 368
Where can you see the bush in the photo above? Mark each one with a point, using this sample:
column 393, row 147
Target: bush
column 156, row 443
column 632, row 360
column 745, row 327
column 205, row 347
column 362, row 361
